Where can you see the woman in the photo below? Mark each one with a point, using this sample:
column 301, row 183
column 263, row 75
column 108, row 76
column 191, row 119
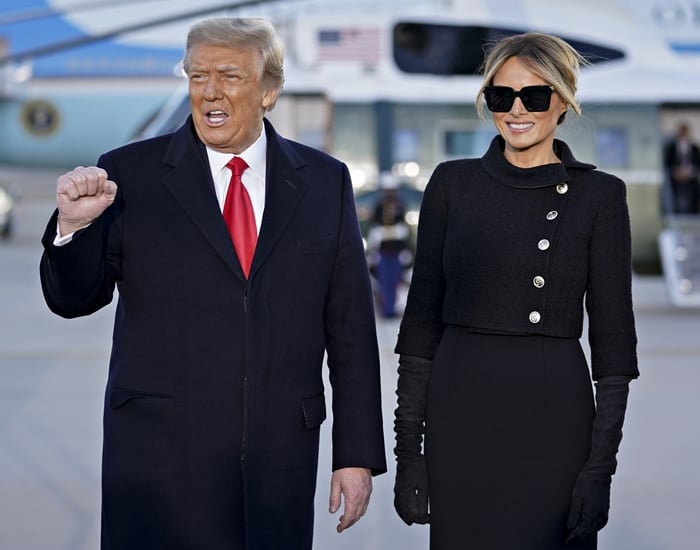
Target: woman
column 510, row 246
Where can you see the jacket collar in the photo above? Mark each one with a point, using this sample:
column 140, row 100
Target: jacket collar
column 496, row 165
column 190, row 175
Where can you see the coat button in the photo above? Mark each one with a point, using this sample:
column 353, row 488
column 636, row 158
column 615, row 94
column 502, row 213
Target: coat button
column 552, row 215
column 535, row 317
column 538, row 281
column 562, row 188
column 543, row 244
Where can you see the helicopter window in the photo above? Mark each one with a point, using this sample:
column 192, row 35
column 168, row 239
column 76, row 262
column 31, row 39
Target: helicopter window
column 455, row 141
column 426, row 48
column 612, row 148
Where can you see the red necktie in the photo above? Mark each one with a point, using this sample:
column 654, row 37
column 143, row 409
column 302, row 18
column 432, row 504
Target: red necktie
column 239, row 216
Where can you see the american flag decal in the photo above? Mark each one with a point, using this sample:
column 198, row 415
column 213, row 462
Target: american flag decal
column 360, row 44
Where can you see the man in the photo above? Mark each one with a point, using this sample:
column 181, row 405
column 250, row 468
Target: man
column 215, row 395
column 682, row 161
column 388, row 242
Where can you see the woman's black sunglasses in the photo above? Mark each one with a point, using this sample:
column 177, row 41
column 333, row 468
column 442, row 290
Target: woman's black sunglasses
column 500, row 99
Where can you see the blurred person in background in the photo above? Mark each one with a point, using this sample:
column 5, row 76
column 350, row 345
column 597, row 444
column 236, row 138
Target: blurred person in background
column 388, row 243
column 682, row 163
column 517, row 454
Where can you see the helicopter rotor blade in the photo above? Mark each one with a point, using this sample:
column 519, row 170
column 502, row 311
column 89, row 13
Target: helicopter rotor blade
column 40, row 51
column 34, row 14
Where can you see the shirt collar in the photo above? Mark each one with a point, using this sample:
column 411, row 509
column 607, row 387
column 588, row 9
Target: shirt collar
column 255, row 156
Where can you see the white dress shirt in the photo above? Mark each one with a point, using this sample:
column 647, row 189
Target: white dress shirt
column 253, row 177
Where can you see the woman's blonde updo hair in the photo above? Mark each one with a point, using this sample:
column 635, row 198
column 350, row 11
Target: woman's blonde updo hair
column 549, row 57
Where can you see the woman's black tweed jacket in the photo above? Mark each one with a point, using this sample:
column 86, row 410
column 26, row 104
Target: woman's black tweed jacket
column 504, row 249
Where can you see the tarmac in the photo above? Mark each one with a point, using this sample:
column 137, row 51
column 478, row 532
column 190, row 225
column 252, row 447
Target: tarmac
column 52, row 376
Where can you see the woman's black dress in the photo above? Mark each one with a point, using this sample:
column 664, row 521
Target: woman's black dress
column 509, row 421
column 510, row 402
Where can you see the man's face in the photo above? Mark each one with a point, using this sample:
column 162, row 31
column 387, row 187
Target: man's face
column 228, row 96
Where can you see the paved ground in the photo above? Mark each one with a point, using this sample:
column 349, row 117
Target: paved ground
column 52, row 374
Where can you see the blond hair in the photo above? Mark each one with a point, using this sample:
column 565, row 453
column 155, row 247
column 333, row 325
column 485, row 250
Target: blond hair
column 241, row 32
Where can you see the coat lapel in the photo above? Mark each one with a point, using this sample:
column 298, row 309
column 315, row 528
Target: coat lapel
column 284, row 189
column 191, row 184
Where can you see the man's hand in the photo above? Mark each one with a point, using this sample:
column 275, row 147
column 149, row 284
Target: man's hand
column 81, row 196
column 355, row 484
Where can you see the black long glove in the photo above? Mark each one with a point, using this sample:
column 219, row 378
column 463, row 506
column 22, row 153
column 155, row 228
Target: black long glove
column 411, row 484
column 590, row 501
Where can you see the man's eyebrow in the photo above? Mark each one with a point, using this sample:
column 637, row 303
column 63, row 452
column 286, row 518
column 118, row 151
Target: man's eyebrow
column 218, row 68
